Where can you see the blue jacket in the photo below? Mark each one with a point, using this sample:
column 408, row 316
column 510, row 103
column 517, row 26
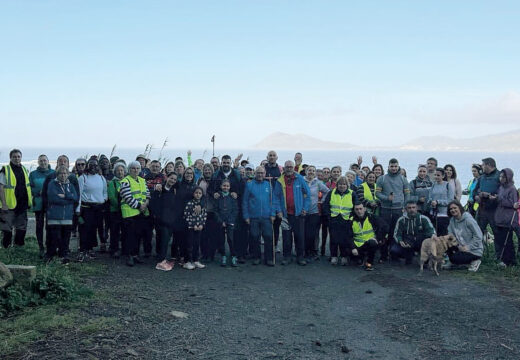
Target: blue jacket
column 488, row 183
column 226, row 209
column 301, row 193
column 36, row 179
column 61, row 208
column 257, row 200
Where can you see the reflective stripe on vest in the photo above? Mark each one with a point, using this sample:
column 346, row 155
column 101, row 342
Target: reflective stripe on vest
column 367, row 193
column 362, row 233
column 138, row 191
column 10, row 186
column 341, row 205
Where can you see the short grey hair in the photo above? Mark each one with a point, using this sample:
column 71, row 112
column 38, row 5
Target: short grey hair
column 135, row 163
column 119, row 164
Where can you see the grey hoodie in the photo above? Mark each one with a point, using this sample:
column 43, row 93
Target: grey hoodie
column 507, row 196
column 396, row 184
column 467, row 232
column 443, row 194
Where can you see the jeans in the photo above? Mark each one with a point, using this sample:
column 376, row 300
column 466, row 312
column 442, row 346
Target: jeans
column 229, row 233
column 116, row 232
column 312, row 229
column 261, row 227
column 92, row 216
column 368, row 249
column 192, row 245
column 59, row 237
column 297, row 224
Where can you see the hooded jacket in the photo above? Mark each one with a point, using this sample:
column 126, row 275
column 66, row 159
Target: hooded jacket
column 419, row 188
column 507, row 196
column 257, row 201
column 301, row 195
column 396, row 184
column 467, row 232
column 61, row 208
column 413, row 227
column 226, row 209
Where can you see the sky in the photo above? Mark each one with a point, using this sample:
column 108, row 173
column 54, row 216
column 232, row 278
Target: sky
column 99, row 73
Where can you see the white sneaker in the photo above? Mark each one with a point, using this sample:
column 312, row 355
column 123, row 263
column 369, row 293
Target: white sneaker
column 334, row 261
column 474, row 265
column 344, row 261
column 188, row 266
column 199, row 265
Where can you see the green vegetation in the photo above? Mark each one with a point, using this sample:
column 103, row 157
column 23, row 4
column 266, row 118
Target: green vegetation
column 53, row 301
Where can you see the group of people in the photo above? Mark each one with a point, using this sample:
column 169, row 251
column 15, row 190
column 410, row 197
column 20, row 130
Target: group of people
column 195, row 210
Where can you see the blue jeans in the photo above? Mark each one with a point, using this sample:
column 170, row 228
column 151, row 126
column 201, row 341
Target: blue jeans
column 261, row 227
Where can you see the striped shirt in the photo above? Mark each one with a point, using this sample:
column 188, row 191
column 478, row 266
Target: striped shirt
column 126, row 195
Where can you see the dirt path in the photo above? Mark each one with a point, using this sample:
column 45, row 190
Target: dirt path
column 293, row 312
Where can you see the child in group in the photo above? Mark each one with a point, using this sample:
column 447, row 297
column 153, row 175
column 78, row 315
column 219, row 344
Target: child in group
column 195, row 216
column 226, row 209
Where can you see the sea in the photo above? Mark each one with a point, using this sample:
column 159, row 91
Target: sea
column 408, row 159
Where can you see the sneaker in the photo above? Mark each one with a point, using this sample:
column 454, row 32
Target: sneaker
column 270, row 263
column 130, row 261
column 188, row 266
column 199, row 265
column 82, row 257
column 138, row 260
column 344, row 261
column 501, row 265
column 181, row 261
column 369, row 267
column 301, row 262
column 474, row 265
column 163, row 265
column 171, row 263
column 223, row 260
column 447, row 265
column 256, row 262
column 334, row 260
column 234, row 261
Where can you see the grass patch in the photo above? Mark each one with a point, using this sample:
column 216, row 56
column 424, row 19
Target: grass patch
column 99, row 324
column 52, row 302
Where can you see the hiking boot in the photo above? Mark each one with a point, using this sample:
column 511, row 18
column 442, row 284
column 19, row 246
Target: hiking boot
column 270, row 263
column 301, row 262
column 234, row 261
column 447, row 265
column 334, row 260
column 256, row 262
column 188, row 266
column 130, row 261
column 138, row 260
column 199, row 265
column 223, row 260
column 163, row 265
column 344, row 261
column 501, row 265
column 369, row 267
column 474, row 265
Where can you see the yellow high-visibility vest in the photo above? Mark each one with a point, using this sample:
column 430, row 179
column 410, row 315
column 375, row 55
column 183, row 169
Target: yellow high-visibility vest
column 341, row 205
column 10, row 186
column 138, row 190
column 362, row 232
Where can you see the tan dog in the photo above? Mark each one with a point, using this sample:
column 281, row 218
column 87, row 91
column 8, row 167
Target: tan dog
column 433, row 249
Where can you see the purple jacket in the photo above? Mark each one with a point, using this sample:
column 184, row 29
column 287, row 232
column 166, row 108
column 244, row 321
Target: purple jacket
column 507, row 195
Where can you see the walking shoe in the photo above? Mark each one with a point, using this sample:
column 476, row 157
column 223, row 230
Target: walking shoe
column 223, row 261
column 270, row 263
column 81, row 257
column 138, row 260
column 181, row 261
column 334, row 260
column 188, row 266
column 368, row 266
column 103, row 248
column 501, row 265
column 234, row 261
column 256, row 262
column 344, row 261
column 301, row 262
column 163, row 265
column 171, row 263
column 447, row 265
column 130, row 261
column 474, row 265
column 199, row 265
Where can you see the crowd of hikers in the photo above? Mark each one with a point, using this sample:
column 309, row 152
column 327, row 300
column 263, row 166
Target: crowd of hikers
column 191, row 210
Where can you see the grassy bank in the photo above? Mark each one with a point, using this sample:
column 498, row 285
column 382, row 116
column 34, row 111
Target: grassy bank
column 53, row 302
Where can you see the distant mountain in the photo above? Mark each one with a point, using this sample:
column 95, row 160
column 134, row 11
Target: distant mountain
column 283, row 141
column 509, row 142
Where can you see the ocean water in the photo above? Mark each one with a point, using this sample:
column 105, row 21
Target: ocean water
column 408, row 160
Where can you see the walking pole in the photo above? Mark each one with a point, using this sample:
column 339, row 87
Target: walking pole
column 507, row 236
column 272, row 224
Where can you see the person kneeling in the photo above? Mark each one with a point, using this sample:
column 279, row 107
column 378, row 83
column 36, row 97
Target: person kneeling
column 366, row 229
column 410, row 231
column 469, row 236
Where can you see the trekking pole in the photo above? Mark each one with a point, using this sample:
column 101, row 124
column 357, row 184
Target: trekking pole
column 272, row 224
column 507, row 236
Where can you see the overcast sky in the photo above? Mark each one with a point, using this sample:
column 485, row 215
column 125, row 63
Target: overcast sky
column 91, row 73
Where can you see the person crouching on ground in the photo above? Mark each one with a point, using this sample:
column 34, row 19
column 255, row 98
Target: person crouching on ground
column 195, row 221
column 366, row 229
column 338, row 205
column 226, row 211
column 410, row 231
column 469, row 236
column 61, row 197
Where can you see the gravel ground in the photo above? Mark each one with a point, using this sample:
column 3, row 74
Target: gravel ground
column 312, row 312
